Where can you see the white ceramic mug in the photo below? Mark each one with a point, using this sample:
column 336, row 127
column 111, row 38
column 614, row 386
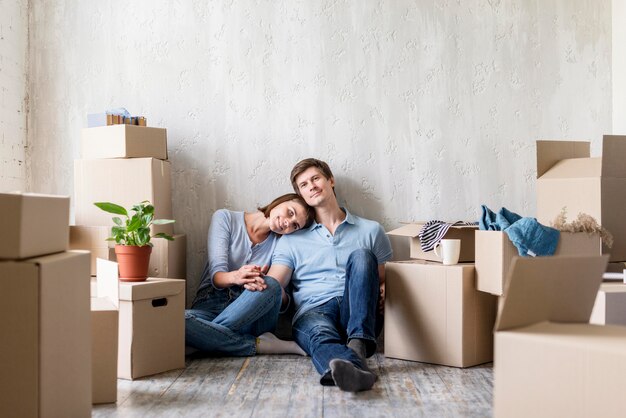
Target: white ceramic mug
column 450, row 251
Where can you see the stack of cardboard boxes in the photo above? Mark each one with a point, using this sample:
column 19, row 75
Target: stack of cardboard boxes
column 549, row 361
column 126, row 164
column 567, row 176
column 45, row 351
column 433, row 312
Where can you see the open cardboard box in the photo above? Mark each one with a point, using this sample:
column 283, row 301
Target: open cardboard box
column 568, row 177
column 33, row 225
column 495, row 253
column 549, row 361
column 124, row 141
column 434, row 314
column 463, row 232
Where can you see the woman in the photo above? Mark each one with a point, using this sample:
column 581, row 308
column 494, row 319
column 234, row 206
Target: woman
column 236, row 306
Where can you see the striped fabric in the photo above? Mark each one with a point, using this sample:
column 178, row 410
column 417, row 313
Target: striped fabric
column 433, row 231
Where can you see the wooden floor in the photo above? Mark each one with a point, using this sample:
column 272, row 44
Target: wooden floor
column 288, row 386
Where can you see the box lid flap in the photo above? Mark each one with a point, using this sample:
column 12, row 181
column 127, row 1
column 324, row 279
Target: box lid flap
column 551, row 152
column 613, row 155
column 557, row 289
column 151, row 289
column 102, row 304
column 575, row 168
column 412, row 229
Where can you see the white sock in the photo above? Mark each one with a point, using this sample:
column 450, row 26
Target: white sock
column 268, row 343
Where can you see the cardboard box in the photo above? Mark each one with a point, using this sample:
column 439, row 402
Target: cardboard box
column 169, row 258
column 495, row 253
column 549, row 362
column 610, row 305
column 104, row 332
column 125, row 182
column 92, row 239
column 568, row 177
column 434, row 314
column 124, row 141
column 45, row 348
column 152, row 327
column 33, row 225
column 463, row 232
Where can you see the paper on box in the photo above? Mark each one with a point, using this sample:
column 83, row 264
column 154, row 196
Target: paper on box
column 33, row 225
column 495, row 253
column 568, row 177
column 104, row 329
column 463, row 232
column 124, row 141
column 548, row 360
column 434, row 314
column 125, row 182
column 45, row 354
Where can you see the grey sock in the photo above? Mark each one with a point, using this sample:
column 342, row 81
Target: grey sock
column 359, row 347
column 349, row 378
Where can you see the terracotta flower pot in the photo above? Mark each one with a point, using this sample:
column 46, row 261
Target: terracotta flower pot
column 133, row 262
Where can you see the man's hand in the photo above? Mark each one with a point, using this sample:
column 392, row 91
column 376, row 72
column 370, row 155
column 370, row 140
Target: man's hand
column 381, row 299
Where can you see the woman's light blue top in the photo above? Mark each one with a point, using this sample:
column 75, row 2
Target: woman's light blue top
column 229, row 246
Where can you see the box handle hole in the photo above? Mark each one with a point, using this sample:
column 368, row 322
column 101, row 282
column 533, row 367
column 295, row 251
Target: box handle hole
column 159, row 302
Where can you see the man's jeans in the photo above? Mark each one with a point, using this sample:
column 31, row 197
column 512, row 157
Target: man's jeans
column 324, row 330
column 220, row 325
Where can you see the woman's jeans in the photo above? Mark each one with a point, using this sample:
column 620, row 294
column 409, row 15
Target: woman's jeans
column 223, row 323
column 324, row 330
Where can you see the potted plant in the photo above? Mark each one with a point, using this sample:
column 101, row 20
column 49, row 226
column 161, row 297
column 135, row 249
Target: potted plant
column 132, row 238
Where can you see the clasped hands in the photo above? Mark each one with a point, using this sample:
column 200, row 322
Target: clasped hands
column 251, row 277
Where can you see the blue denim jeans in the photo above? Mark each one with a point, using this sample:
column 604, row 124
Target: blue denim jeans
column 225, row 323
column 324, row 331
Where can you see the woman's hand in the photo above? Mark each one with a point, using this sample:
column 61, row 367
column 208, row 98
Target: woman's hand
column 381, row 299
column 251, row 277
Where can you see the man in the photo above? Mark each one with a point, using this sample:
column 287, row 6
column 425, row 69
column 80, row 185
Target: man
column 336, row 268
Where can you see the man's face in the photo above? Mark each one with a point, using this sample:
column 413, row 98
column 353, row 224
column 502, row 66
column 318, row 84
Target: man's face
column 314, row 187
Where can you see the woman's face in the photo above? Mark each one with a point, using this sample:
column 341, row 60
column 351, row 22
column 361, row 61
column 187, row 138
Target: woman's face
column 287, row 217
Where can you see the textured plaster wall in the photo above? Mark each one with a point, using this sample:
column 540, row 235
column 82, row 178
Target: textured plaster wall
column 13, row 66
column 424, row 109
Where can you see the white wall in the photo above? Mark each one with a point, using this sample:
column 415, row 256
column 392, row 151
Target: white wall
column 424, row 109
column 619, row 66
column 13, row 63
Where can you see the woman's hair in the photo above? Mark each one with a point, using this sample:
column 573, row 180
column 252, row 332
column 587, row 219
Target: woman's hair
column 310, row 213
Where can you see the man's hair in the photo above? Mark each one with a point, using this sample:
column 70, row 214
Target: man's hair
column 310, row 214
column 304, row 165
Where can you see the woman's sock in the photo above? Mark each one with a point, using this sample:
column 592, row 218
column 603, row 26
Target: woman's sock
column 268, row 343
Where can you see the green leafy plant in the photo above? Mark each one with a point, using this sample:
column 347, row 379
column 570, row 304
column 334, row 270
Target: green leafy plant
column 135, row 229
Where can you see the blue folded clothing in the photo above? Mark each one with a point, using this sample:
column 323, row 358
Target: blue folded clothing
column 527, row 234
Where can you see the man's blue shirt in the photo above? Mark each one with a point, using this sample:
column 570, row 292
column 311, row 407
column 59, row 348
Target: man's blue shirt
column 318, row 259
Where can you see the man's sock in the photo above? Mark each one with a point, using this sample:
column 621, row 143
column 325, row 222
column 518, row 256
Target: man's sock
column 350, row 378
column 358, row 346
column 268, row 343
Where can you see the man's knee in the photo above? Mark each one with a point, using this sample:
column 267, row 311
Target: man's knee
column 363, row 257
column 362, row 265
